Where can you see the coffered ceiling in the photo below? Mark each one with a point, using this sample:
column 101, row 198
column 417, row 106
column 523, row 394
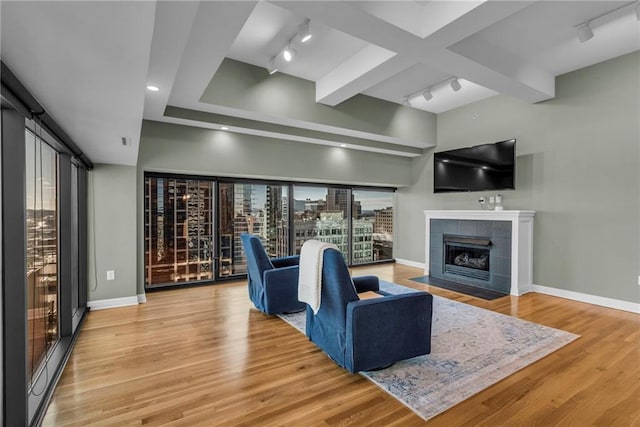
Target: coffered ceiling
column 88, row 62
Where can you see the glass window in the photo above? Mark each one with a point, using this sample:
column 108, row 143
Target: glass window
column 42, row 250
column 258, row 209
column 372, row 217
column 178, row 231
column 321, row 213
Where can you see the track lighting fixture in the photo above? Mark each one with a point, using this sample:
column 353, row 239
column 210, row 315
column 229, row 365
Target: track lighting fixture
column 584, row 32
column 288, row 53
column 427, row 95
column 271, row 67
column 455, row 84
column 304, row 33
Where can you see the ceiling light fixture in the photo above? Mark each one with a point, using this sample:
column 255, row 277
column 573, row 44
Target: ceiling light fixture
column 427, row 93
column 153, row 88
column 584, row 31
column 305, row 34
column 271, row 67
column 224, row 128
column 288, row 53
column 455, row 84
column 343, row 145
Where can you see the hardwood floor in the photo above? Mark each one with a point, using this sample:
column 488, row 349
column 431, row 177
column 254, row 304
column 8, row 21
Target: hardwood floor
column 205, row 356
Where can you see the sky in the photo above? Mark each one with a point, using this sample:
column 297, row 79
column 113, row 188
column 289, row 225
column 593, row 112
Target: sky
column 369, row 200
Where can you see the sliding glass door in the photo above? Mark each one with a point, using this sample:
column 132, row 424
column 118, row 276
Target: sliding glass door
column 42, row 251
column 179, row 231
column 322, row 213
column 372, row 225
column 193, row 224
column 254, row 208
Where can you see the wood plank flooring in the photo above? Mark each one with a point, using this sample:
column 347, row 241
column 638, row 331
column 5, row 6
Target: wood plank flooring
column 205, row 356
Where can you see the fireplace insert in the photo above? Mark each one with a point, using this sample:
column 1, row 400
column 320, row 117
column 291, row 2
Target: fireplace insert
column 467, row 256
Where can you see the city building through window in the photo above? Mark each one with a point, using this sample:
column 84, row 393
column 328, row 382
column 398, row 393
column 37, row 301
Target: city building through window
column 193, row 226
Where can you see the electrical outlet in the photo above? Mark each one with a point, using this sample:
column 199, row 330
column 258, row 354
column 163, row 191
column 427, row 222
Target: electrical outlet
column 492, row 199
column 111, row 275
column 481, row 200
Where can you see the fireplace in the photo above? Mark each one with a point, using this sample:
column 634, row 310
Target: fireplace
column 467, row 256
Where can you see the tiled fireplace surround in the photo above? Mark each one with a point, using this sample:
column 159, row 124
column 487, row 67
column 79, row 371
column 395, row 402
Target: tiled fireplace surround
column 511, row 248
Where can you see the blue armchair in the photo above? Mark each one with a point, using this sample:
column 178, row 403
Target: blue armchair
column 273, row 283
column 362, row 335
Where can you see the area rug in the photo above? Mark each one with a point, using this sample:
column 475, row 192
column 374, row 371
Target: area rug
column 471, row 349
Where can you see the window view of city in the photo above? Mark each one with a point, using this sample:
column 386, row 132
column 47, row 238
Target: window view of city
column 179, row 232
column 257, row 209
column 321, row 213
column 42, row 250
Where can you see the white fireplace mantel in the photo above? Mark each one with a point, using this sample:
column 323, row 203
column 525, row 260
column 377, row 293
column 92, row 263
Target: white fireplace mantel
column 521, row 240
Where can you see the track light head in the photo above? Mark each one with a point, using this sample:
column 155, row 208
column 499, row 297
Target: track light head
column 304, row 33
column 288, row 53
column 584, row 32
column 455, row 84
column 271, row 66
column 427, row 95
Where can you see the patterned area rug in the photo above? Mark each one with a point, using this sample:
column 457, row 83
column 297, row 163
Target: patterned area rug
column 471, row 349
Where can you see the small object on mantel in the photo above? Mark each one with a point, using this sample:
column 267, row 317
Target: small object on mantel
column 369, row 295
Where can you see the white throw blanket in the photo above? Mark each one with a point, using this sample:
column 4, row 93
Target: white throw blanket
column 310, row 278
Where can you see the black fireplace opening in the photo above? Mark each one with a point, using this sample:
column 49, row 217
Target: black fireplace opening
column 467, row 256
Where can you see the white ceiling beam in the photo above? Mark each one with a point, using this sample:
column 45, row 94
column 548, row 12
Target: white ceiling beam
column 499, row 70
column 171, row 31
column 363, row 70
column 503, row 73
column 215, row 28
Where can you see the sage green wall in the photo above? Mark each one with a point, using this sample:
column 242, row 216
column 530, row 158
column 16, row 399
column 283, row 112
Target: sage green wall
column 250, row 88
column 578, row 165
column 183, row 149
column 112, row 231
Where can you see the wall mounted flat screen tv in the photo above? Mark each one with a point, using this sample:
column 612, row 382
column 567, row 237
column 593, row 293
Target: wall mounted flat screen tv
column 486, row 167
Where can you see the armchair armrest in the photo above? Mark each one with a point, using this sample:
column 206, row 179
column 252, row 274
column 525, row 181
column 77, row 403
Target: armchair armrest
column 281, row 288
column 366, row 283
column 385, row 330
column 285, row 261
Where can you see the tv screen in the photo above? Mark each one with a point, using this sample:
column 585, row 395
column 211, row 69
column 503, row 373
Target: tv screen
column 484, row 167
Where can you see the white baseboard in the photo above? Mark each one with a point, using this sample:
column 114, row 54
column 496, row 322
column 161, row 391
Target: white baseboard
column 410, row 263
column 142, row 298
column 591, row 299
column 112, row 302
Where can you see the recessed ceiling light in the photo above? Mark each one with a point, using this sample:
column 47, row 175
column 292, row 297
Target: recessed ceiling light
column 224, row 128
column 343, row 145
column 153, row 88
